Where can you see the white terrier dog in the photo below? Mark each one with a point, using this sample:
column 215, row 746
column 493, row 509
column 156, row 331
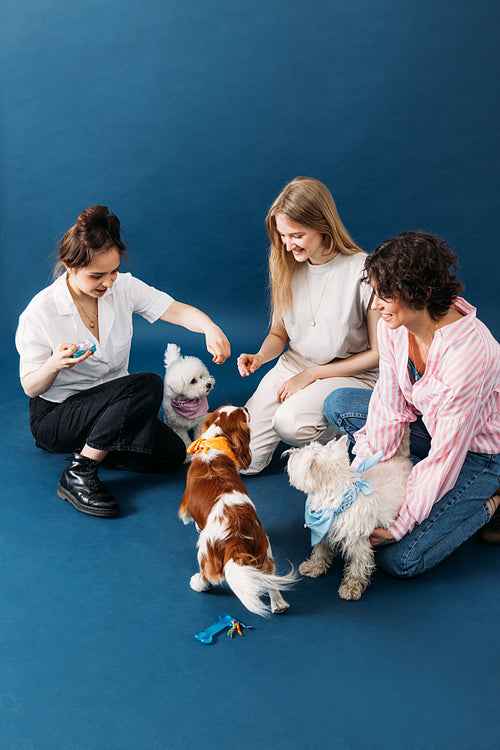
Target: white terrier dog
column 343, row 508
column 187, row 383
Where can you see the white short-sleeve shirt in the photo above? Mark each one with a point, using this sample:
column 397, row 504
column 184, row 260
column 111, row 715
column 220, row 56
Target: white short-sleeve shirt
column 333, row 297
column 52, row 318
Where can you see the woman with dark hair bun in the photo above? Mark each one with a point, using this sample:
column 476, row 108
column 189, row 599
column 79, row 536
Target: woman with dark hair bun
column 439, row 372
column 86, row 403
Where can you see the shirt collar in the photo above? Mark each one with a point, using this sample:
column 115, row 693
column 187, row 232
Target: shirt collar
column 454, row 332
column 451, row 333
column 63, row 299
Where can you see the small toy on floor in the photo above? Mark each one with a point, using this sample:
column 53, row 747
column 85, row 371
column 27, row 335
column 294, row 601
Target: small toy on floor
column 224, row 621
column 187, row 383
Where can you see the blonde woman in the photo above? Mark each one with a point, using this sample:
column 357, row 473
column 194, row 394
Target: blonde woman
column 320, row 311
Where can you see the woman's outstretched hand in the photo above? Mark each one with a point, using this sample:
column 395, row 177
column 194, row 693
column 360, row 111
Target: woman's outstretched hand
column 217, row 344
column 248, row 364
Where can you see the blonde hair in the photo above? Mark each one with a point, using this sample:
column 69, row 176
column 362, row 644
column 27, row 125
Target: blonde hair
column 308, row 202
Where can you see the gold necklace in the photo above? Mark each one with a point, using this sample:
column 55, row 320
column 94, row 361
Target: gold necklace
column 92, row 320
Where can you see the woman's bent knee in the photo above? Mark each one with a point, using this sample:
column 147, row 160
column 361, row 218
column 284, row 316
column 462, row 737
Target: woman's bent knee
column 291, row 430
column 337, row 403
column 395, row 563
column 346, row 408
column 150, row 386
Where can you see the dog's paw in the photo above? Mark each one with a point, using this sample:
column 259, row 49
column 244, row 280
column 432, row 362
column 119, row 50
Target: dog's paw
column 312, row 568
column 351, row 590
column 197, row 583
column 278, row 604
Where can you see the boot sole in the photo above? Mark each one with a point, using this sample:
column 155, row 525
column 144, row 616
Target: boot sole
column 101, row 513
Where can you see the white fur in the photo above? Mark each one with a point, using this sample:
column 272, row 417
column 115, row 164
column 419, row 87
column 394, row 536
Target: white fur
column 247, row 583
column 324, row 473
column 216, row 527
column 186, row 378
column 250, row 584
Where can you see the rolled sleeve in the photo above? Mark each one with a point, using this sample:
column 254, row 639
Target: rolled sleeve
column 147, row 301
column 33, row 351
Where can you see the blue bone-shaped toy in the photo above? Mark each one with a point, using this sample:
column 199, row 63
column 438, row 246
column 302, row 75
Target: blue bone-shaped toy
column 224, row 621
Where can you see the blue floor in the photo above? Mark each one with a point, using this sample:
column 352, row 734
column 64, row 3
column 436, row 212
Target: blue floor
column 97, row 623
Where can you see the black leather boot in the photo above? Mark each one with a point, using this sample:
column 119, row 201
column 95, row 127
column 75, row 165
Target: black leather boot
column 80, row 485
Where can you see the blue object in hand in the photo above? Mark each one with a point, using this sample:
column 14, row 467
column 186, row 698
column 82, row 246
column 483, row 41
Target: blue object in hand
column 82, row 347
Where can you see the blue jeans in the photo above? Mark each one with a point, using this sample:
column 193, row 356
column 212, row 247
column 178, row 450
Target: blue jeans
column 452, row 520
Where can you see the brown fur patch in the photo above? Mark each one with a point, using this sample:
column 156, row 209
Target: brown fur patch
column 208, row 478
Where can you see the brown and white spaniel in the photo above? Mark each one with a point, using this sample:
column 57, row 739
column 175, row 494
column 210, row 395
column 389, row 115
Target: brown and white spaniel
column 232, row 544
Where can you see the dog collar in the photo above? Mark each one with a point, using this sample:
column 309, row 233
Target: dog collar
column 319, row 521
column 219, row 443
column 191, row 409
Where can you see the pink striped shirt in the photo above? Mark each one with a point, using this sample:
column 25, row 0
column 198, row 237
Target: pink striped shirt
column 458, row 398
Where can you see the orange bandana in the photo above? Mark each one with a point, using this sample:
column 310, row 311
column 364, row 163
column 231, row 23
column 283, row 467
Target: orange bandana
column 217, row 443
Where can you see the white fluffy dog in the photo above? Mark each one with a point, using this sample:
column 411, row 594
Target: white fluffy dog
column 325, row 474
column 187, row 383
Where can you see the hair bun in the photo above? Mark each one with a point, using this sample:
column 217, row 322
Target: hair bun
column 94, row 216
column 97, row 227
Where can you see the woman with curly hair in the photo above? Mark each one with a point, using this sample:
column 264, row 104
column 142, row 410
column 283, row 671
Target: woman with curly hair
column 439, row 372
column 86, row 403
column 320, row 311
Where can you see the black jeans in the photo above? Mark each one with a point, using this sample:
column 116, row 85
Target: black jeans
column 120, row 416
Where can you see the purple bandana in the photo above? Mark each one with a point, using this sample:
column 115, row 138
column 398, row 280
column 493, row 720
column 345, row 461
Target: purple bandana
column 196, row 407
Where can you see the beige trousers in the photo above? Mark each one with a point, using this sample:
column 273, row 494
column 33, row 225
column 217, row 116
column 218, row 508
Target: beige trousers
column 300, row 418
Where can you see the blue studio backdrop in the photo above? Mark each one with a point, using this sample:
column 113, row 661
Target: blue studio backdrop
column 186, row 118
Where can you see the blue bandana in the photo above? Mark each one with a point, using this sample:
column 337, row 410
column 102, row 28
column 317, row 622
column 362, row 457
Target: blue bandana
column 319, row 521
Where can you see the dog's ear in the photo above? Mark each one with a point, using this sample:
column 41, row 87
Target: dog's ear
column 239, row 439
column 240, row 443
column 341, row 441
column 313, row 466
column 209, row 419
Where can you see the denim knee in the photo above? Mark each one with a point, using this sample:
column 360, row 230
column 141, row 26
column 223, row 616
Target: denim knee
column 391, row 560
column 333, row 407
column 343, row 402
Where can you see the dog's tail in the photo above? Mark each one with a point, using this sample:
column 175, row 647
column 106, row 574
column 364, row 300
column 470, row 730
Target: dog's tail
column 172, row 352
column 250, row 585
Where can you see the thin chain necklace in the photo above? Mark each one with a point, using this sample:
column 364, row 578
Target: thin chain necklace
column 419, row 367
column 327, row 277
column 92, row 320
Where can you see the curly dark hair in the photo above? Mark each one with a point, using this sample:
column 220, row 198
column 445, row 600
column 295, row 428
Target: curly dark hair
column 417, row 269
